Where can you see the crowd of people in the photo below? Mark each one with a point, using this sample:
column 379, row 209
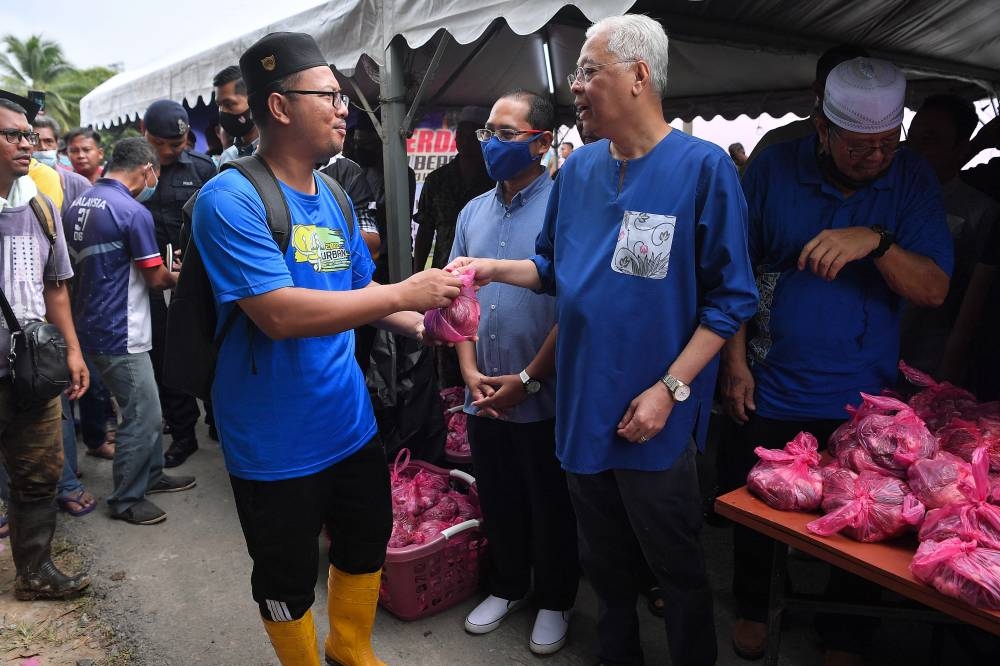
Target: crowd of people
column 616, row 312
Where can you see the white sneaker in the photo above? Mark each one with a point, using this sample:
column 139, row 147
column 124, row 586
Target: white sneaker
column 488, row 615
column 550, row 631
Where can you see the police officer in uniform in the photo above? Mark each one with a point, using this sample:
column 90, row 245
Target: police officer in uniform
column 182, row 173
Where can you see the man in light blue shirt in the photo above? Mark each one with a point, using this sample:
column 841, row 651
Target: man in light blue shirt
column 510, row 397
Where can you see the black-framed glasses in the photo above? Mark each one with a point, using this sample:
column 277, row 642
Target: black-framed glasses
column 587, row 73
column 336, row 97
column 504, row 134
column 15, row 136
column 887, row 148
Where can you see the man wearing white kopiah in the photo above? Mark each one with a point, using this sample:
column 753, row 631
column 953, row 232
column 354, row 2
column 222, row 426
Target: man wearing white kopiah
column 644, row 246
column 844, row 225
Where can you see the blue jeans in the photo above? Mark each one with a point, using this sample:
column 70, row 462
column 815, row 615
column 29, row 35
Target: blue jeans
column 138, row 463
column 69, row 484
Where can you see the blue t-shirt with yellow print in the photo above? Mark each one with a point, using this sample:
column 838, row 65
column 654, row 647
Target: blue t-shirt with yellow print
column 284, row 408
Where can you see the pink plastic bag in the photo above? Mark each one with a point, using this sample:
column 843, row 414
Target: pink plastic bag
column 460, row 320
column 962, row 437
column 457, row 439
column 865, row 507
column 788, row 479
column 941, row 480
column 960, row 569
column 973, row 520
column 938, row 402
column 884, row 435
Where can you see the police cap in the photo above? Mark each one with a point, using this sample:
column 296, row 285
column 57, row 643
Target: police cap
column 166, row 119
column 275, row 56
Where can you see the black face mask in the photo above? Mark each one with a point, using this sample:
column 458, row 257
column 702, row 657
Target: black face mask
column 236, row 125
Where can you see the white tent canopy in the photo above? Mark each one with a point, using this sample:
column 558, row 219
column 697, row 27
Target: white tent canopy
column 727, row 57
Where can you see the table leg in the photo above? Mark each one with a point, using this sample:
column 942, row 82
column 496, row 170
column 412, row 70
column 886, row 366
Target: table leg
column 776, row 602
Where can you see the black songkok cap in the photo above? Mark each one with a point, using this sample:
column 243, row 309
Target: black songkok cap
column 166, row 119
column 277, row 55
column 31, row 109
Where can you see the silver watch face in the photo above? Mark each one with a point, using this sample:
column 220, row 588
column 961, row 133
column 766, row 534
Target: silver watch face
column 532, row 386
column 682, row 393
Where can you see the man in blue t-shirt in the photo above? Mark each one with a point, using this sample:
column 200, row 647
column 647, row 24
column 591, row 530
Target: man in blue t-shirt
column 114, row 244
column 844, row 226
column 644, row 247
column 294, row 417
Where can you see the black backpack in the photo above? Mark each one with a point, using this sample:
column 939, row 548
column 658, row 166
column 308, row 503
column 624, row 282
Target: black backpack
column 191, row 346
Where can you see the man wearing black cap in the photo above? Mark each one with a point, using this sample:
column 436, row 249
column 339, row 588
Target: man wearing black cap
column 182, row 173
column 295, row 420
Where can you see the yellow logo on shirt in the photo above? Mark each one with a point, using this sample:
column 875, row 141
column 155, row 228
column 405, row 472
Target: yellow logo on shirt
column 322, row 247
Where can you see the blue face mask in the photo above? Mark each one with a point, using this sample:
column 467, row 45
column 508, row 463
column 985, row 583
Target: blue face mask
column 147, row 191
column 46, row 157
column 506, row 159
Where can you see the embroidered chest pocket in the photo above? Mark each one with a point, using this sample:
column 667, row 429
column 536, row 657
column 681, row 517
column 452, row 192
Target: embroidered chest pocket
column 643, row 247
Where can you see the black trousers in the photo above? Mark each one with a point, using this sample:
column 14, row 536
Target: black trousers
column 180, row 410
column 528, row 517
column 752, row 551
column 282, row 519
column 625, row 517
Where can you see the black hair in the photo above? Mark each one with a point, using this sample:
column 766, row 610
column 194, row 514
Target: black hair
column 833, row 57
column 258, row 101
column 541, row 114
column 48, row 122
column 12, row 106
column 85, row 132
column 228, row 75
column 567, row 143
column 130, row 154
column 962, row 112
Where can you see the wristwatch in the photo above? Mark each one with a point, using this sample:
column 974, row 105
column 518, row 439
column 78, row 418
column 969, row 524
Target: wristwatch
column 531, row 386
column 885, row 240
column 677, row 388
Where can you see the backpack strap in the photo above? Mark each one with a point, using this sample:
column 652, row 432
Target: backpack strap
column 345, row 204
column 279, row 218
column 44, row 214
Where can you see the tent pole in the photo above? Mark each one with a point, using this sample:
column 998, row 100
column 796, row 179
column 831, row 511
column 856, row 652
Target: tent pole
column 397, row 188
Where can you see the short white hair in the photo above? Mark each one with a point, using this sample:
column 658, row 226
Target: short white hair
column 637, row 37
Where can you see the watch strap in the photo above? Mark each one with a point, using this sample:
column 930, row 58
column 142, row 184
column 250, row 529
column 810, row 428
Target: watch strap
column 885, row 240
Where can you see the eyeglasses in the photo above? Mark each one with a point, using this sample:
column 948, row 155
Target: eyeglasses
column 15, row 136
column 888, row 149
column 336, row 97
column 587, row 73
column 504, row 134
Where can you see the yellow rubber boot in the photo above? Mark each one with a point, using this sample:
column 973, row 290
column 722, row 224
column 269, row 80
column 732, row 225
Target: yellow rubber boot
column 294, row 642
column 351, row 604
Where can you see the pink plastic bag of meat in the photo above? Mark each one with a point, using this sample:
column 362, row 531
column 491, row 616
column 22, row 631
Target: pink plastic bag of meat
column 865, row 507
column 894, row 441
column 446, row 509
column 426, row 490
column 466, row 509
column 457, row 439
column 972, row 520
column 460, row 320
column 962, row 437
column 429, row 529
column 941, row 480
column 788, row 479
column 938, row 402
column 960, row 569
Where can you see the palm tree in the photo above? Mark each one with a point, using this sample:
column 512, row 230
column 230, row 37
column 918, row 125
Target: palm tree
column 39, row 64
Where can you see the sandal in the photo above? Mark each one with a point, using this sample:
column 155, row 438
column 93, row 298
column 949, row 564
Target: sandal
column 4, row 527
column 105, row 450
column 82, row 500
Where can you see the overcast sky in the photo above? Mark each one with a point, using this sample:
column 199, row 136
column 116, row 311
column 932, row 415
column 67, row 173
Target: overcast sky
column 136, row 33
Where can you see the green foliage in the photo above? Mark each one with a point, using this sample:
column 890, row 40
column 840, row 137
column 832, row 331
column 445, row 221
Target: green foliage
column 39, row 64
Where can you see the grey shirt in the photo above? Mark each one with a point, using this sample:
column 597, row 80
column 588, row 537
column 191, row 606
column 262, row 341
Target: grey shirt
column 25, row 265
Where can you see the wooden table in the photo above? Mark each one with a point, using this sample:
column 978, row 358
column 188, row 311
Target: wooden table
column 886, row 563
